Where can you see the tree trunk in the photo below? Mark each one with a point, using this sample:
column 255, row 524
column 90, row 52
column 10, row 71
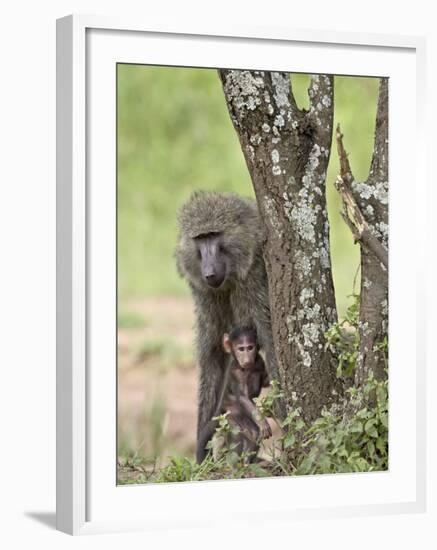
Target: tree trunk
column 368, row 220
column 287, row 153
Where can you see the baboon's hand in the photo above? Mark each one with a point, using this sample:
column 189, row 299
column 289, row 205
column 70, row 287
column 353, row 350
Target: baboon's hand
column 266, row 431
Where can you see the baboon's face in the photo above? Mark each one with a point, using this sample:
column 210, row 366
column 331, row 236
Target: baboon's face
column 214, row 262
column 245, row 351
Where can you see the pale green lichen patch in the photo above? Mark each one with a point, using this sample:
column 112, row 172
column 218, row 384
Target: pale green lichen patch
column 302, row 210
column 281, row 85
column 367, row 283
column 302, row 215
column 243, row 90
column 275, row 156
column 369, row 210
column 366, row 191
column 279, row 121
column 312, row 327
column 250, row 152
column 326, row 101
column 383, row 229
column 311, row 333
column 276, row 170
column 303, row 264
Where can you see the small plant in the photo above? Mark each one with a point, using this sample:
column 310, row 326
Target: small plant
column 155, row 420
column 351, row 436
column 268, row 404
column 343, row 339
column 356, row 441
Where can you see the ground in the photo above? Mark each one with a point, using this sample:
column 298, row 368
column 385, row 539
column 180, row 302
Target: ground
column 157, row 380
column 157, row 383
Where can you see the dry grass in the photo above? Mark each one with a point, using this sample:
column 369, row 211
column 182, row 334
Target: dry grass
column 157, row 381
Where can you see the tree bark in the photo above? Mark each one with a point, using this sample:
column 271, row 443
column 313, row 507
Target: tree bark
column 287, row 153
column 369, row 224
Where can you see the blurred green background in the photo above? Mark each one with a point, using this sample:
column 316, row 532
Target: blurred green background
column 175, row 135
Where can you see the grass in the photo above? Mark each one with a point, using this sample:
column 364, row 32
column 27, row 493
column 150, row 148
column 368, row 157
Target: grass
column 165, row 352
column 175, row 135
column 351, row 436
column 130, row 320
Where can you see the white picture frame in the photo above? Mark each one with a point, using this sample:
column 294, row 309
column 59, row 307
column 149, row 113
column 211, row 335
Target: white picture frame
column 87, row 500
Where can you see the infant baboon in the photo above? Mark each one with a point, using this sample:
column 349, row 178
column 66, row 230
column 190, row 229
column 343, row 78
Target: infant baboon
column 220, row 254
column 245, row 376
column 248, row 377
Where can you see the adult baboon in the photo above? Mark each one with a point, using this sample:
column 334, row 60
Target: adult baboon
column 219, row 253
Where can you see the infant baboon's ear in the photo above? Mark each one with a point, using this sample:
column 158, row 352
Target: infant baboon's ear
column 227, row 345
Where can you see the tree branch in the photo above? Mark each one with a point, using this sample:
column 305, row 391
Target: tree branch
column 321, row 94
column 287, row 152
column 366, row 213
column 357, row 224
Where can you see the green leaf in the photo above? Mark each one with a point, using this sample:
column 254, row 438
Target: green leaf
column 370, row 429
column 381, row 395
column 356, row 427
column 287, row 421
column 289, row 440
column 384, row 419
column 381, row 445
column 232, row 458
column 257, row 470
column 300, row 424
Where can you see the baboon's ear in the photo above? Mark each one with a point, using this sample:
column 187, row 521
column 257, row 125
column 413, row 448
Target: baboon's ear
column 227, row 346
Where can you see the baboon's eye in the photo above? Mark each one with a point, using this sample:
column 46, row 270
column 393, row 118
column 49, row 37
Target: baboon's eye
column 199, row 255
column 249, row 348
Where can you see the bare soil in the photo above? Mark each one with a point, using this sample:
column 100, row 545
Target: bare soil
column 157, row 381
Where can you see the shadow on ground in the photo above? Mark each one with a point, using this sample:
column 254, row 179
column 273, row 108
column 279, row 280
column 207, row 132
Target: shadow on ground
column 46, row 518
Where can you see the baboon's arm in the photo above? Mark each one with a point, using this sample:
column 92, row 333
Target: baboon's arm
column 250, row 407
column 214, row 377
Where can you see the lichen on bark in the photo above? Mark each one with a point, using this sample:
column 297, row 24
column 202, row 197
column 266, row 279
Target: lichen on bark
column 371, row 230
column 287, row 153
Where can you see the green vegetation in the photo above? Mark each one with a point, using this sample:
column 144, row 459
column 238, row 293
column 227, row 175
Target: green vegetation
column 351, row 436
column 130, row 319
column 165, row 352
column 175, row 135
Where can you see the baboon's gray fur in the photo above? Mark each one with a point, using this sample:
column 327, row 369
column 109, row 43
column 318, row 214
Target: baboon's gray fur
column 242, row 299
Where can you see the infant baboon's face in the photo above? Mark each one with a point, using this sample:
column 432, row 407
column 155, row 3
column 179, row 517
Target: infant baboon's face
column 245, row 350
